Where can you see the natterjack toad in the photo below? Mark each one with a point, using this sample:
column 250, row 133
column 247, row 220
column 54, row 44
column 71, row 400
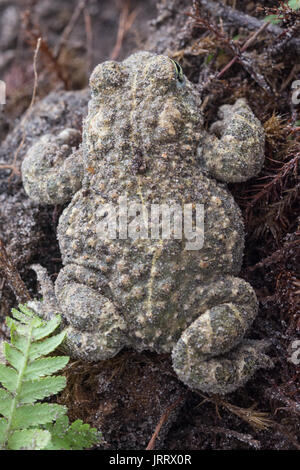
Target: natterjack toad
column 144, row 141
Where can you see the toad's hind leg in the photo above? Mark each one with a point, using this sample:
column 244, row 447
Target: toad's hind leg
column 211, row 354
column 222, row 374
column 95, row 329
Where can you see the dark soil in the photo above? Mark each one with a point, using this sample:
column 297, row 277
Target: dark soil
column 126, row 396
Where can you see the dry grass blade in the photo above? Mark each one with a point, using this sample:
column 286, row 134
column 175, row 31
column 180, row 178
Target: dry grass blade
column 33, row 31
column 258, row 420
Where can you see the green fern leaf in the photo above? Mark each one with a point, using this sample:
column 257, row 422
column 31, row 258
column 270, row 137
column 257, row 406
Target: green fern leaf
column 3, row 430
column 5, row 403
column 26, row 423
column 8, row 377
column 294, row 4
column 26, row 310
column 46, row 329
column 46, row 346
column 38, row 389
column 27, row 317
column 20, row 342
column 77, row 436
column 13, row 356
column 29, row 439
column 34, row 415
column 17, row 401
column 45, row 366
column 19, row 316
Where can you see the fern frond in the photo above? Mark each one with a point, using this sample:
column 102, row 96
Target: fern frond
column 34, row 415
column 29, row 439
column 39, row 389
column 26, row 423
column 8, row 377
column 45, row 366
column 29, row 380
column 77, row 436
column 13, row 356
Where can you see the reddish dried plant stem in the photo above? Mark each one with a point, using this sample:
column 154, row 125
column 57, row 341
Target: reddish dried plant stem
column 13, row 277
column 161, row 422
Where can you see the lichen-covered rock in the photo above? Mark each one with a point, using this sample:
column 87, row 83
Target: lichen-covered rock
column 144, row 139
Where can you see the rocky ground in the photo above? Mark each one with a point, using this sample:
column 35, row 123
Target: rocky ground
column 129, row 395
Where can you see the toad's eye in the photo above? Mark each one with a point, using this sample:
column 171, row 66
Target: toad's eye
column 178, row 70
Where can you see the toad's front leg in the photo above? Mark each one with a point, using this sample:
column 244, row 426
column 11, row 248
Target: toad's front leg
column 211, row 354
column 52, row 170
column 234, row 151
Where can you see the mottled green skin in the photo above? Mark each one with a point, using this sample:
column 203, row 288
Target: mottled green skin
column 144, row 138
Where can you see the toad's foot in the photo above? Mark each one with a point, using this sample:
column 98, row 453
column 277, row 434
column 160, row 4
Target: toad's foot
column 206, row 356
column 95, row 330
column 223, row 374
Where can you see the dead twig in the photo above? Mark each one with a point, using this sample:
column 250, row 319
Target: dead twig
column 12, row 276
column 126, row 20
column 275, row 179
column 286, row 38
column 290, row 17
column 33, row 32
column 89, row 38
column 247, row 438
column 239, row 19
column 161, row 422
column 249, row 41
column 228, row 44
column 275, row 257
column 69, row 28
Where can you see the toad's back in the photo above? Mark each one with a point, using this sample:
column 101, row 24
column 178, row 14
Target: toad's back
column 140, row 141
